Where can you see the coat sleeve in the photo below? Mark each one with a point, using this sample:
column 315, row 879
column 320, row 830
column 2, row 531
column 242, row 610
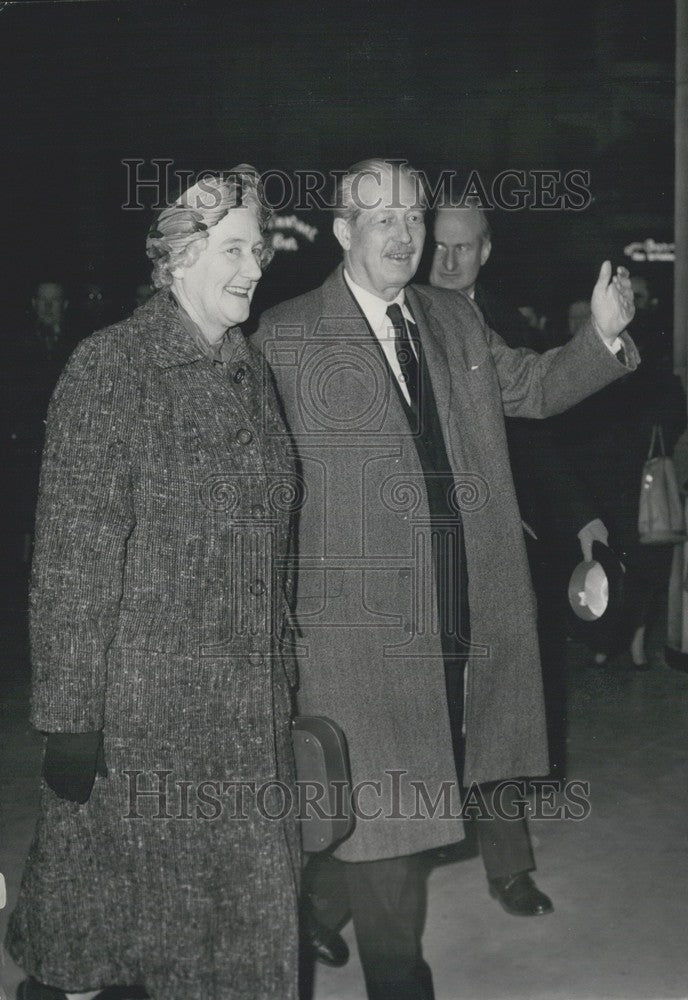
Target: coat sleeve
column 541, row 385
column 551, row 498
column 83, row 520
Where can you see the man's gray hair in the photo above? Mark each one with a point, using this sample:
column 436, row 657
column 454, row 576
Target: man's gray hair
column 348, row 206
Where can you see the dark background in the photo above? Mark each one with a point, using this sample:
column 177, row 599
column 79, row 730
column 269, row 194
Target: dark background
column 463, row 84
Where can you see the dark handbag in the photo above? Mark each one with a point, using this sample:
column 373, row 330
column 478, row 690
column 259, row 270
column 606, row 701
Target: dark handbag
column 323, row 779
column 660, row 517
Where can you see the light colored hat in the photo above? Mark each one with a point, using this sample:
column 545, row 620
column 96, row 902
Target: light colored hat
column 596, row 585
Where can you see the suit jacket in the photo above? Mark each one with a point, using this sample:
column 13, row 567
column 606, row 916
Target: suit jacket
column 370, row 655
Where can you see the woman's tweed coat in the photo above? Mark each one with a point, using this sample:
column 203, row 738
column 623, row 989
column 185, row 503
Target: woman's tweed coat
column 158, row 607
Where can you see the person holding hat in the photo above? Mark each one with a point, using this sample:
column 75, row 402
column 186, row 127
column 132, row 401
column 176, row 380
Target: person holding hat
column 158, row 627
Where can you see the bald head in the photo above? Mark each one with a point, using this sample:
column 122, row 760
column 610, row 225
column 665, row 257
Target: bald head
column 462, row 246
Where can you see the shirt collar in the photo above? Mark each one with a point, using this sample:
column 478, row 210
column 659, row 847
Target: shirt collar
column 373, row 307
column 221, row 351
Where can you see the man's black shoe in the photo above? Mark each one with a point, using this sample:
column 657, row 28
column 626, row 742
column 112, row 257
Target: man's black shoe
column 31, row 989
column 519, row 895
column 326, row 945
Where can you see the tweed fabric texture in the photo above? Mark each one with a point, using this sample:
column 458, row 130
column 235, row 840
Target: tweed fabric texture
column 159, row 606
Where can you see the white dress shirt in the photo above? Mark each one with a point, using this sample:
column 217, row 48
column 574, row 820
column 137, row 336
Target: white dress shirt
column 375, row 311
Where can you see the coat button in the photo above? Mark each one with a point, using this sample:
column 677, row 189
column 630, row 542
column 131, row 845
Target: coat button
column 244, row 436
column 258, row 510
column 239, row 375
column 255, row 659
column 404, row 574
column 257, row 588
column 408, row 626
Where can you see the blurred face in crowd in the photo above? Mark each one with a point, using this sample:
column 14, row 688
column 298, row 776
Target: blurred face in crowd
column 383, row 243
column 92, row 298
column 641, row 294
column 531, row 317
column 49, row 304
column 216, row 290
column 578, row 313
column 461, row 249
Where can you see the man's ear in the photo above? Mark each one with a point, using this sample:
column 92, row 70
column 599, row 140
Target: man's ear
column 485, row 251
column 342, row 232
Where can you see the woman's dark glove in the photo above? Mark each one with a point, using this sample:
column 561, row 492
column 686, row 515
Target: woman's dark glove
column 71, row 763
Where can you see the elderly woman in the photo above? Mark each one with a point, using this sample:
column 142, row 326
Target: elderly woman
column 165, row 853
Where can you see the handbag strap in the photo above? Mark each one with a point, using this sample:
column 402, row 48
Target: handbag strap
column 657, row 436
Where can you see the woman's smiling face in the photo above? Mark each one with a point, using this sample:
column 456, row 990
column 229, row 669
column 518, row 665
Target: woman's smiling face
column 216, row 290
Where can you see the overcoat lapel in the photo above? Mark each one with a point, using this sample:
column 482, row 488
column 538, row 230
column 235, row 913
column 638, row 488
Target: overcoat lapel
column 342, row 318
column 432, row 340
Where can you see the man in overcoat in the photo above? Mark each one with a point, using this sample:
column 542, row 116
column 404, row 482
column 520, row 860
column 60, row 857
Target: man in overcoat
column 395, row 397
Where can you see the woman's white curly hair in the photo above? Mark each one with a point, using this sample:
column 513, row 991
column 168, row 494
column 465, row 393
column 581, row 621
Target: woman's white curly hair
column 179, row 234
